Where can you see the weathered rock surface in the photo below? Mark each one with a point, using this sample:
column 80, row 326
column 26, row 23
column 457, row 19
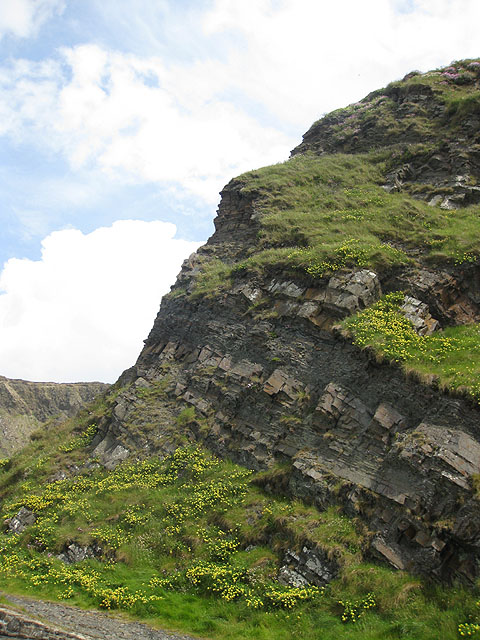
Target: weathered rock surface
column 284, row 388
column 16, row 625
column 307, row 567
column 24, row 406
column 75, row 552
column 452, row 298
column 21, row 521
column 418, row 314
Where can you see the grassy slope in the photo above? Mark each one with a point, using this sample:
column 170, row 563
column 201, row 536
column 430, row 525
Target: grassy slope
column 314, row 206
column 455, row 86
column 175, row 536
column 324, row 213
column 452, row 355
column 319, row 213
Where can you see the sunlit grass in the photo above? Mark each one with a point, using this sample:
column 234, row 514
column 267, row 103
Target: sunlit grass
column 452, row 355
column 175, row 535
column 321, row 214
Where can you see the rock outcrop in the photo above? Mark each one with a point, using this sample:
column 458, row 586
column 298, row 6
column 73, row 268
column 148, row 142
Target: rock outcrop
column 14, row 624
column 289, row 389
column 32, row 619
column 307, row 567
column 444, row 171
column 268, row 376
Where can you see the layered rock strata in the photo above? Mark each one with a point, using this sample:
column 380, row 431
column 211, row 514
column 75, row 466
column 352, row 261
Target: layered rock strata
column 398, row 453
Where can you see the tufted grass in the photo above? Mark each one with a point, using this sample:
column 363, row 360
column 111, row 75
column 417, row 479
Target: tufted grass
column 319, row 202
column 320, row 214
column 451, row 355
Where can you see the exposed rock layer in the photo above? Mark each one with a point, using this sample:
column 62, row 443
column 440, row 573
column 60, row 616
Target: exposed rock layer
column 398, row 453
column 55, row 621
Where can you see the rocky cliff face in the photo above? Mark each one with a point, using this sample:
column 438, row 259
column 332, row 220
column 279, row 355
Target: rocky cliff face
column 258, row 368
column 24, row 406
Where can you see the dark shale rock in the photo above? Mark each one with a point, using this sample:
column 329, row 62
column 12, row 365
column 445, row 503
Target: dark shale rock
column 307, row 567
column 110, row 452
column 452, row 298
column 369, row 429
column 418, row 314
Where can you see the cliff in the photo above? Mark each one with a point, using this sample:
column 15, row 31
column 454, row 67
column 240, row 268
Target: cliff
column 24, row 406
column 380, row 197
column 301, row 428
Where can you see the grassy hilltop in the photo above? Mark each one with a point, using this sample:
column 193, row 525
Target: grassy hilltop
column 325, row 210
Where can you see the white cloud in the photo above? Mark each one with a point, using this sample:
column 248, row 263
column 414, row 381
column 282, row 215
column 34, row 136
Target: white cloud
column 198, row 123
column 82, row 311
column 248, row 78
column 134, row 119
column 309, row 57
column 23, row 18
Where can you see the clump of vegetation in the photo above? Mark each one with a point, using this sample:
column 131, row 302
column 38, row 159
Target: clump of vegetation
column 353, row 611
column 186, row 416
column 83, row 440
column 214, row 277
column 453, row 355
column 470, row 629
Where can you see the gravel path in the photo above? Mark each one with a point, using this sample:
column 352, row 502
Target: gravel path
column 93, row 624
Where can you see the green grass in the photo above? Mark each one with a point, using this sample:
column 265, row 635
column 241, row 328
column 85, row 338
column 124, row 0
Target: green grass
column 448, row 89
column 175, row 534
column 213, row 277
column 313, row 206
column 452, row 355
column 322, row 203
column 322, row 214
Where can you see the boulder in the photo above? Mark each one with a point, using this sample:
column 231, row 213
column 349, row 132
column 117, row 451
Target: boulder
column 419, row 315
column 307, row 567
column 22, row 520
column 75, row 552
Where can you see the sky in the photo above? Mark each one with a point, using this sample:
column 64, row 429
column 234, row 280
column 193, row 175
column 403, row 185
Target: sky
column 121, row 121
